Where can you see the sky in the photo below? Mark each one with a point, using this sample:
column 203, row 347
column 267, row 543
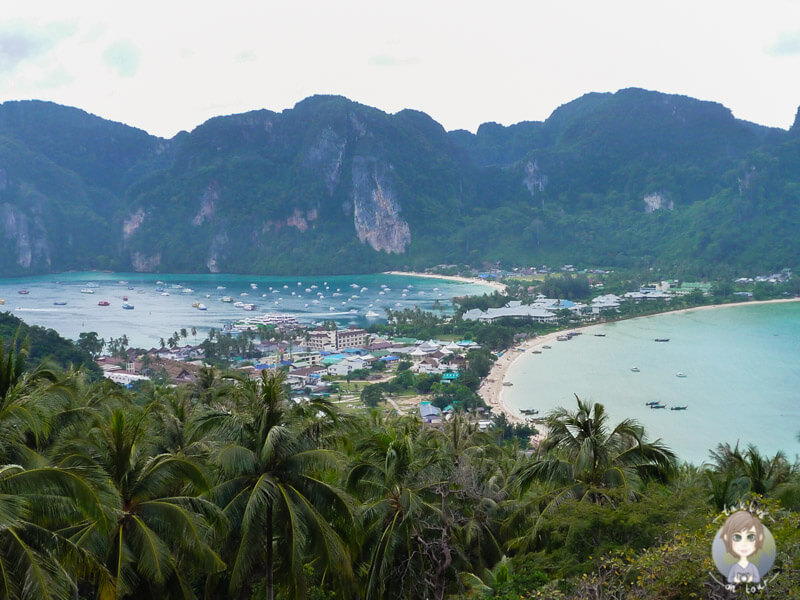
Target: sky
column 170, row 65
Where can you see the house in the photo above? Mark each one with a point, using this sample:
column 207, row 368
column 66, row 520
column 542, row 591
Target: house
column 429, row 413
column 305, row 376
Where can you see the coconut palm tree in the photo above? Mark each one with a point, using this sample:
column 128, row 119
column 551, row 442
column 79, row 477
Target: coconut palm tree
column 35, row 559
column 396, row 479
column 583, row 458
column 157, row 527
column 28, row 398
column 273, row 489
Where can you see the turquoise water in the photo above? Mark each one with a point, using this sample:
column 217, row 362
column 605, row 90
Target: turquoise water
column 742, row 367
column 155, row 316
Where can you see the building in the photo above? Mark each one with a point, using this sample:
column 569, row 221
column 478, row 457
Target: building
column 337, row 339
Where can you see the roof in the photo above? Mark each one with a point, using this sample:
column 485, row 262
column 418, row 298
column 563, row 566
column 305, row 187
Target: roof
column 427, row 409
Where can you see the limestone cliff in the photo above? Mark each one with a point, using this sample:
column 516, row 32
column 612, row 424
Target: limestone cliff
column 376, row 211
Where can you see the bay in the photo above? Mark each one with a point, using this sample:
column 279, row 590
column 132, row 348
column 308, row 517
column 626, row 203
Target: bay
column 345, row 299
column 742, row 384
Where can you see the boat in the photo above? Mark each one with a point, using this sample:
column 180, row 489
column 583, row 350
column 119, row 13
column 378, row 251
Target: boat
column 536, row 351
column 87, row 291
column 195, row 304
column 679, row 408
column 371, row 314
column 529, row 411
column 680, row 374
column 201, row 306
column 562, row 338
column 658, row 406
column 635, row 369
column 547, row 347
column 103, row 303
column 238, row 304
column 226, row 299
column 249, row 307
column 60, row 303
column 662, row 339
column 507, row 383
column 652, row 402
column 124, row 298
column 2, row 301
column 127, row 306
column 23, row 292
column 165, row 293
column 599, row 335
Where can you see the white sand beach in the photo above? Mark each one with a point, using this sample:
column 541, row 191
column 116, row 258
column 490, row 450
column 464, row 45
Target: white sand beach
column 500, row 287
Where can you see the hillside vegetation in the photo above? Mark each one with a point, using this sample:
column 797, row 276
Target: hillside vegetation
column 635, row 178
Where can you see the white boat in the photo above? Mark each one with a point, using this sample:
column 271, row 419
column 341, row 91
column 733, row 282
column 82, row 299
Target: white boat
column 635, row 369
column 202, row 306
column 238, row 304
column 371, row 314
column 226, row 299
column 187, row 291
column 165, row 293
column 249, row 307
column 679, row 374
column 87, row 291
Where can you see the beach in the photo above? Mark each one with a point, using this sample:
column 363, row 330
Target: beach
column 500, row 287
column 491, row 390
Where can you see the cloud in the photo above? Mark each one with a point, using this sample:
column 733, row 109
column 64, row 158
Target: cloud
column 787, row 44
column 245, row 56
column 387, row 60
column 19, row 42
column 123, row 58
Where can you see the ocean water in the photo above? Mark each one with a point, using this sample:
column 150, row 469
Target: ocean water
column 154, row 316
column 742, row 384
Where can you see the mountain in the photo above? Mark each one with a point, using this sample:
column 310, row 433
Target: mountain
column 333, row 186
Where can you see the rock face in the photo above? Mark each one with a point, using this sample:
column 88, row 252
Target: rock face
column 207, row 204
column 326, row 156
column 145, row 264
column 376, row 212
column 30, row 242
column 657, row 201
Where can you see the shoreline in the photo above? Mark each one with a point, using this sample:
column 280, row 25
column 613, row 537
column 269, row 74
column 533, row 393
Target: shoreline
column 500, row 287
column 491, row 389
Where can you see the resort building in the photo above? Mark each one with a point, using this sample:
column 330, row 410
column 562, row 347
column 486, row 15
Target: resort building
column 514, row 310
column 337, row 339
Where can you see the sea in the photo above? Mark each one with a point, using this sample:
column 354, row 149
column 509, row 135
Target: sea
column 163, row 304
column 741, row 384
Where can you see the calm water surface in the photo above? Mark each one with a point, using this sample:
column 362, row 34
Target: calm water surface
column 742, row 367
column 343, row 298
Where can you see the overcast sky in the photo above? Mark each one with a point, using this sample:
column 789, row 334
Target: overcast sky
column 170, row 65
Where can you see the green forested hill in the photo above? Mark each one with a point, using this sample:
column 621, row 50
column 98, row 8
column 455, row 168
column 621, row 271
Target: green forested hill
column 332, row 186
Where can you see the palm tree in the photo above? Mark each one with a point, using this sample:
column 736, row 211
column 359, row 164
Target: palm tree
column 581, row 458
column 272, row 490
column 35, row 560
column 734, row 474
column 157, row 527
column 396, row 479
column 28, row 398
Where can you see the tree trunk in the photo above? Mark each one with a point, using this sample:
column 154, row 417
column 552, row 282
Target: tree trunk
column 270, row 584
